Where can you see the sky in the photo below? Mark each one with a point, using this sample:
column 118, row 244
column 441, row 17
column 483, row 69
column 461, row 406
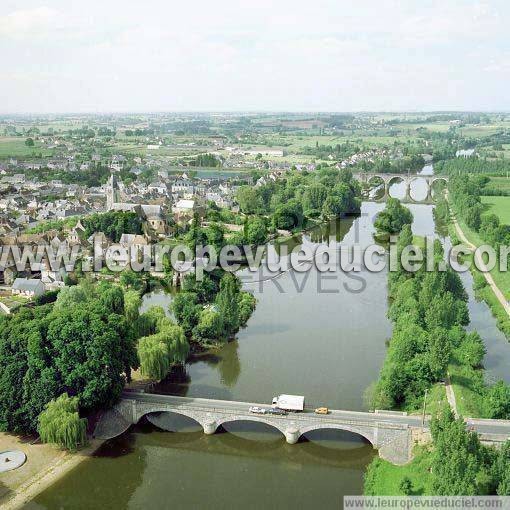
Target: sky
column 254, row 55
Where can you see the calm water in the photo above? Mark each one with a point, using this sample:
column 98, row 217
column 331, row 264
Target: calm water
column 323, row 339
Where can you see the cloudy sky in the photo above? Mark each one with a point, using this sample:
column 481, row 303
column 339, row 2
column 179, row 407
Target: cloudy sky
column 231, row 55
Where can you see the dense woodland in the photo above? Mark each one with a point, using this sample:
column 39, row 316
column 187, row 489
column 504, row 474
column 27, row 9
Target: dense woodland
column 289, row 201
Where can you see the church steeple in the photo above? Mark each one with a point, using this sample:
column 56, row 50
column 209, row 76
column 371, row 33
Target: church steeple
column 112, row 192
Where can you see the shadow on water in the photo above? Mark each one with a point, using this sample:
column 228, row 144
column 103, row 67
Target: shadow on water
column 333, row 448
column 118, row 473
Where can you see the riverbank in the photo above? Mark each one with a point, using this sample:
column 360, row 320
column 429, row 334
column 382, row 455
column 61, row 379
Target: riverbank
column 45, row 465
column 491, row 292
column 384, row 479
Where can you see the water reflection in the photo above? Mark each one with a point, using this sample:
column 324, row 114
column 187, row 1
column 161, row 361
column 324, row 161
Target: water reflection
column 158, row 297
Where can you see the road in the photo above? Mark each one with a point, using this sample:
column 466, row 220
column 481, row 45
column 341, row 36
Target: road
column 499, row 427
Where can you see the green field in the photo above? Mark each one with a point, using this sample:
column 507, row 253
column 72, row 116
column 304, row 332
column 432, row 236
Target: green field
column 502, row 183
column 500, row 206
column 15, row 147
column 383, row 478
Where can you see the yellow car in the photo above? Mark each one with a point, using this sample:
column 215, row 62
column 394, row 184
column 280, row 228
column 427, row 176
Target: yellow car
column 322, row 410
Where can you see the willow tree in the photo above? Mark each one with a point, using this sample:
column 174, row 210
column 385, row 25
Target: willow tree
column 153, row 356
column 60, row 423
column 175, row 340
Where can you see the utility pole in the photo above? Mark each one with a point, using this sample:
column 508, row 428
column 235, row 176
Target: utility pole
column 424, row 406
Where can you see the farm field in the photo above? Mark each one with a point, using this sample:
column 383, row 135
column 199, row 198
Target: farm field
column 502, row 183
column 15, row 147
column 500, row 206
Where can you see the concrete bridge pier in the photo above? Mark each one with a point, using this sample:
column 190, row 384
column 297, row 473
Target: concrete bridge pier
column 292, row 435
column 210, row 427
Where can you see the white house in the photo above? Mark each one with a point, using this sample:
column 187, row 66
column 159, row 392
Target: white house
column 28, row 288
column 183, row 207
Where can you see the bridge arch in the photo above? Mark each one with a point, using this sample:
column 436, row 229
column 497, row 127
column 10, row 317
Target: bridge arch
column 432, row 180
column 369, row 436
column 402, row 186
column 252, row 418
column 419, row 179
column 164, row 409
column 376, row 182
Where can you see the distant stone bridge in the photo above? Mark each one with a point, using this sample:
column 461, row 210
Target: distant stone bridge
column 389, row 179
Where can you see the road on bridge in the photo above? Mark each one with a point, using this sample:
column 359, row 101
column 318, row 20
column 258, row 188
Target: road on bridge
column 496, row 427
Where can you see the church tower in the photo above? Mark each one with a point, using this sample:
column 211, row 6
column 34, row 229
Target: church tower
column 112, row 192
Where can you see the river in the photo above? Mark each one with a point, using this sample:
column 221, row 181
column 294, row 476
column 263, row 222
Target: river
column 324, row 339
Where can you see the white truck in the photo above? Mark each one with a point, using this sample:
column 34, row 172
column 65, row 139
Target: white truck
column 294, row 403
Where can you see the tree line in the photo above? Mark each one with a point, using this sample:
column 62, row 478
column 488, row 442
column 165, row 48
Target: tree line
column 465, row 192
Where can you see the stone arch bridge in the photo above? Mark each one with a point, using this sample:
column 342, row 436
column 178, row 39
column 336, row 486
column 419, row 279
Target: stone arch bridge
column 391, row 433
column 407, row 179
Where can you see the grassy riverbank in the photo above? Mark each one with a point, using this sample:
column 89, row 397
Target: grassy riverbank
column 383, row 478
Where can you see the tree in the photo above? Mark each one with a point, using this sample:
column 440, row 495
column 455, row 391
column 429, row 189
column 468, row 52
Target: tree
column 90, row 351
column 154, row 359
column 314, row 197
column 29, row 142
column 445, row 311
column 332, row 206
column 164, row 345
column 214, row 235
column 69, row 296
column 175, row 339
column 210, row 326
column 394, row 216
column 497, row 401
column 227, row 303
column 473, row 217
column 186, row 310
column 406, row 486
column 205, row 289
column 439, row 353
column 255, row 231
column 60, row 423
column 250, row 201
column 471, row 350
column 132, row 279
column 459, row 461
column 113, row 224
column 288, row 216
column 247, row 303
column 501, row 470
column 132, row 303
